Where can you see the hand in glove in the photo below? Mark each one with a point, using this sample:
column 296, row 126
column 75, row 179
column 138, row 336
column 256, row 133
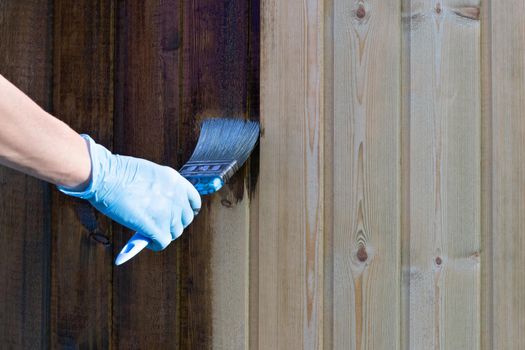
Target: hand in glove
column 151, row 199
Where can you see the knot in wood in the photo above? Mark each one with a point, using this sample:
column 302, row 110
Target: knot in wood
column 360, row 12
column 438, row 261
column 362, row 255
column 99, row 237
column 227, row 203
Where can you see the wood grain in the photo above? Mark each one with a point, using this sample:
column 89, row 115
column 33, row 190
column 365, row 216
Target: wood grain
column 83, row 98
column 405, row 174
column 444, row 199
column 25, row 244
column 290, row 252
column 253, row 108
column 507, row 43
column 229, row 272
column 487, row 271
column 328, row 173
column 388, row 211
column 178, row 63
column 146, row 289
column 366, row 175
column 219, row 72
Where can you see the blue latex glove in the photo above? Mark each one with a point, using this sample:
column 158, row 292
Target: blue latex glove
column 151, row 199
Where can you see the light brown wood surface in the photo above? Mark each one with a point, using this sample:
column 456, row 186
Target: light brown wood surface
column 486, row 301
column 384, row 207
column 290, row 251
column 444, row 170
column 506, row 278
column 229, row 272
column 366, row 174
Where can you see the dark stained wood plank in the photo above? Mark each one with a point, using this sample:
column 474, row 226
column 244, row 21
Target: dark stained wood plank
column 220, row 78
column 179, row 62
column 25, row 59
column 146, row 125
column 83, row 98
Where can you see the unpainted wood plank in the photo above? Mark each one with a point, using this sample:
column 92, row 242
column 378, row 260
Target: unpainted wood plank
column 405, row 175
column 253, row 269
column 291, row 176
column 507, row 43
column 25, row 244
column 83, row 98
column 229, row 271
column 445, row 174
column 366, row 174
column 328, row 173
column 487, row 272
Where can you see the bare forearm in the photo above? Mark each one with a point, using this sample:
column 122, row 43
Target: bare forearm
column 38, row 144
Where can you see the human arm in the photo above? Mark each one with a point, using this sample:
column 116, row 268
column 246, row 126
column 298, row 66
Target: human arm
column 38, row 144
column 146, row 197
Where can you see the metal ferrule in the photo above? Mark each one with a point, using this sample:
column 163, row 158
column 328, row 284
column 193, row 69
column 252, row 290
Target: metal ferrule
column 208, row 176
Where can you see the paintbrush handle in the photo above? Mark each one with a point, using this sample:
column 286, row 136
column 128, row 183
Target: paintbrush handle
column 132, row 248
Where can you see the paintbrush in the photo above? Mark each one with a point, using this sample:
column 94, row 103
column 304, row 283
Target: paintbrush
column 222, row 148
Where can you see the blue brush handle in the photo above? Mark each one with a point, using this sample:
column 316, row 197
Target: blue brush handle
column 204, row 185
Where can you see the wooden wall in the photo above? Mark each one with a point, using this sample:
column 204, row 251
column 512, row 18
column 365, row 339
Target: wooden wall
column 392, row 171
column 138, row 76
column 383, row 208
column 25, row 230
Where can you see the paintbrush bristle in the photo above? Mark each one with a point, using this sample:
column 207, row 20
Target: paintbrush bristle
column 225, row 139
column 222, row 148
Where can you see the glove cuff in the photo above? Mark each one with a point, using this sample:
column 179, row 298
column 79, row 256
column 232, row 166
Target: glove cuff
column 100, row 158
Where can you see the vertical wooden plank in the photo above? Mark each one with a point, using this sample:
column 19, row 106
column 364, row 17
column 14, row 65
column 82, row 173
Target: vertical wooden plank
column 178, row 63
column 147, row 125
column 487, row 207
column 254, row 44
column 219, row 78
column 83, row 98
column 328, row 173
column 444, row 203
column 366, row 175
column 291, row 178
column 508, row 181
column 25, row 60
column 229, row 272
column 405, row 173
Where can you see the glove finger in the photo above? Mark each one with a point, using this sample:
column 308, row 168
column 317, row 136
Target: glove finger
column 194, row 198
column 187, row 216
column 159, row 240
column 176, row 227
column 159, row 237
